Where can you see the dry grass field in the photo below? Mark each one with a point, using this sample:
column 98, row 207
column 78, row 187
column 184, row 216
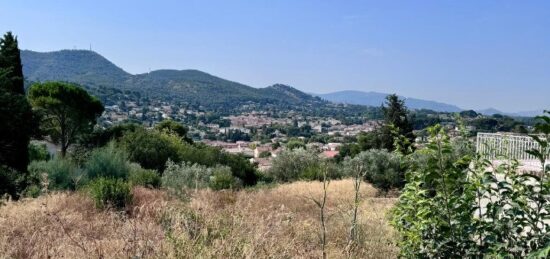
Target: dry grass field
column 278, row 222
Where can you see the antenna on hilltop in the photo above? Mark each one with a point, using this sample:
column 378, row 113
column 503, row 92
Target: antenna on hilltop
column 90, row 46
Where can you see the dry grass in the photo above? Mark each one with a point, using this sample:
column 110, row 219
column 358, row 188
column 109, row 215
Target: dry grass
column 280, row 222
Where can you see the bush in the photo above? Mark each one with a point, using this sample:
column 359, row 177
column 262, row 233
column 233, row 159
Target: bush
column 152, row 149
column 211, row 156
column 222, row 178
column 465, row 206
column 143, row 177
column 178, row 178
column 108, row 162
column 294, row 164
column 110, row 193
column 56, row 174
column 38, row 152
column 383, row 169
column 11, row 181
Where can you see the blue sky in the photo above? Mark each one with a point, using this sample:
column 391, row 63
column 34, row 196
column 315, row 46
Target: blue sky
column 475, row 54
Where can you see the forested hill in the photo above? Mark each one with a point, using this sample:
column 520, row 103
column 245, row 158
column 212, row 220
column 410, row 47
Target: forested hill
column 190, row 86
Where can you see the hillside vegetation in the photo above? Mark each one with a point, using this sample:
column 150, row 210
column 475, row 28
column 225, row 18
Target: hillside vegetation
column 191, row 86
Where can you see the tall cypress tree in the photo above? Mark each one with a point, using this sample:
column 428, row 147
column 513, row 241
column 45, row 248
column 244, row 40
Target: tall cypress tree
column 16, row 116
column 10, row 63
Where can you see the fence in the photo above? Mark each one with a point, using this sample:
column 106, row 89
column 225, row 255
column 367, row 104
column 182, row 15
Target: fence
column 495, row 145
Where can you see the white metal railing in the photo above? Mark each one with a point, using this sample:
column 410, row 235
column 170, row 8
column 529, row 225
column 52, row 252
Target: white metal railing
column 495, row 145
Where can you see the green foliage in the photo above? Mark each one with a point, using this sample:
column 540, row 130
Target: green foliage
column 10, row 62
column 143, row 177
column 107, row 162
column 101, row 137
column 395, row 119
column 179, row 178
column 152, row 149
column 38, row 152
column 295, row 144
column 172, row 127
column 110, row 193
column 16, row 119
column 292, row 165
column 222, row 178
column 456, row 204
column 67, row 111
column 11, row 182
column 382, row 169
column 56, row 174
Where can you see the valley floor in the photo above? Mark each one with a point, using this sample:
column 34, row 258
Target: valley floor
column 277, row 222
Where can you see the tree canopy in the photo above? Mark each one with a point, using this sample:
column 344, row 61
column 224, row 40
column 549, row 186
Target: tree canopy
column 67, row 111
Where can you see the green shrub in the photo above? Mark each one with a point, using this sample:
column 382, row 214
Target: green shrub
column 383, row 169
column 56, row 174
column 295, row 164
column 108, row 162
column 178, row 178
column 143, row 177
column 110, row 193
column 38, row 152
column 457, row 204
column 11, row 181
column 222, row 178
column 32, row 191
column 152, row 149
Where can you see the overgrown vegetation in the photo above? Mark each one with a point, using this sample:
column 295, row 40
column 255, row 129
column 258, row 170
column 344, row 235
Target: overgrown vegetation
column 469, row 207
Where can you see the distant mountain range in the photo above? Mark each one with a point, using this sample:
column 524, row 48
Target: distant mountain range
column 377, row 99
column 491, row 111
column 195, row 87
column 192, row 86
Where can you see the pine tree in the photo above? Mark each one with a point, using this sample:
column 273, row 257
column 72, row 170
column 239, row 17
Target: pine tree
column 395, row 119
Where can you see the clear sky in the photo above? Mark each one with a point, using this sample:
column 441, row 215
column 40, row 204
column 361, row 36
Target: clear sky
column 474, row 54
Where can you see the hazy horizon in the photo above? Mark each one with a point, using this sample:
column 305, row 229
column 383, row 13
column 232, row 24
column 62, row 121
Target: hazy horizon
column 470, row 54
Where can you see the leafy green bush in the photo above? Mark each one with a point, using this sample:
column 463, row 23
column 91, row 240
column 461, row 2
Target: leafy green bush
column 382, row 168
column 143, row 177
column 152, row 149
column 56, row 174
column 11, row 181
column 110, row 193
column 38, row 152
column 108, row 162
column 292, row 165
column 222, row 178
column 468, row 207
column 178, row 178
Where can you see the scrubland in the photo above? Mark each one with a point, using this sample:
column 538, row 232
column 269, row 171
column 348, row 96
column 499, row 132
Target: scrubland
column 270, row 222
